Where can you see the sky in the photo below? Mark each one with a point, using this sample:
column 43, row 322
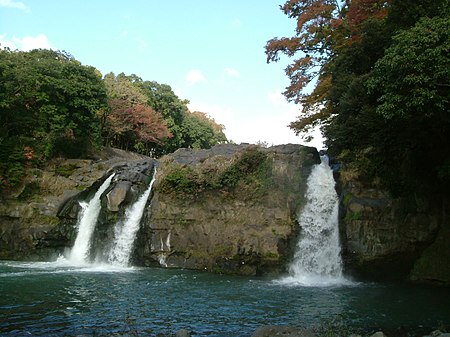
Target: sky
column 210, row 52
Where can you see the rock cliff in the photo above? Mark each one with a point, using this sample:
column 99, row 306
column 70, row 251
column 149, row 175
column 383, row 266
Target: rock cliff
column 32, row 223
column 384, row 237
column 231, row 209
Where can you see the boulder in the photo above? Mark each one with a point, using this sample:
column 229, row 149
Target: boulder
column 117, row 195
column 378, row 334
column 183, row 333
column 281, row 331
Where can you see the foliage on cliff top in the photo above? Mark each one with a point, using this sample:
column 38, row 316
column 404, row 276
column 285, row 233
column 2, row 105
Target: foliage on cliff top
column 51, row 105
column 48, row 104
column 246, row 172
column 382, row 72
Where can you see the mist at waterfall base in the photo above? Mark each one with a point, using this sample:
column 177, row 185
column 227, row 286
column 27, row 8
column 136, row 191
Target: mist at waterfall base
column 75, row 296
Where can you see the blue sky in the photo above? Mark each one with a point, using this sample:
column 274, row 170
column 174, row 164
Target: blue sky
column 210, row 52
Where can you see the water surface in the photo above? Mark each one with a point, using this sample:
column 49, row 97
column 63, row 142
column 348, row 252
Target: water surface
column 56, row 299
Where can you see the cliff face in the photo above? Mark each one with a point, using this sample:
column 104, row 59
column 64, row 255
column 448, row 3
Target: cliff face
column 32, row 223
column 394, row 238
column 231, row 209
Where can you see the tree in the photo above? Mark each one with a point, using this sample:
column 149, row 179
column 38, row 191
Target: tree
column 201, row 132
column 412, row 81
column 130, row 123
column 189, row 130
column 162, row 99
column 48, row 103
column 380, row 99
column 313, row 42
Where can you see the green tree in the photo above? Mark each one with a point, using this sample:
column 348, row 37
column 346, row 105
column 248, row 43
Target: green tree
column 412, row 81
column 201, row 132
column 162, row 99
column 188, row 130
column 49, row 103
column 381, row 92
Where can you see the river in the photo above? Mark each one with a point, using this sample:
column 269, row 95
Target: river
column 57, row 299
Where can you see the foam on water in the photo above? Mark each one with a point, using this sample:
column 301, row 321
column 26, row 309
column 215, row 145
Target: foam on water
column 61, row 266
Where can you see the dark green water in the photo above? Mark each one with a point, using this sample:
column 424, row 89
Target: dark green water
column 50, row 299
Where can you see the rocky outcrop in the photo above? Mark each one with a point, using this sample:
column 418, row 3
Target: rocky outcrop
column 36, row 221
column 231, row 209
column 393, row 238
column 131, row 179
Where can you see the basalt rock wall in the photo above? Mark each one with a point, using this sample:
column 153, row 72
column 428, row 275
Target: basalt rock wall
column 383, row 237
column 38, row 219
column 231, row 209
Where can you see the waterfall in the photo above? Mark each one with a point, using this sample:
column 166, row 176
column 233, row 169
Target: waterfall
column 87, row 220
column 125, row 231
column 164, row 251
column 317, row 260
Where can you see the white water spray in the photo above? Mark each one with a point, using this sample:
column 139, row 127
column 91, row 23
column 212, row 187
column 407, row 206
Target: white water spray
column 317, row 261
column 164, row 251
column 87, row 219
column 125, row 232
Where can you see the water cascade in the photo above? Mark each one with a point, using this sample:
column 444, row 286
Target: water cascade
column 125, row 231
column 87, row 220
column 164, row 250
column 317, row 260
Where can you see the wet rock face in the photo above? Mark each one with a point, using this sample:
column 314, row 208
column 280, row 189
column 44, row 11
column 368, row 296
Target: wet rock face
column 392, row 238
column 37, row 220
column 231, row 209
column 117, row 195
column 130, row 180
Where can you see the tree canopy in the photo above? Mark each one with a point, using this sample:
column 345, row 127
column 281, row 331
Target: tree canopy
column 48, row 107
column 382, row 84
column 51, row 105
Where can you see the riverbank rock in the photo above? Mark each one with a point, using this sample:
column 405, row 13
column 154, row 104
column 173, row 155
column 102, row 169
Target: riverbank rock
column 230, row 209
column 281, row 331
column 183, row 333
column 384, row 237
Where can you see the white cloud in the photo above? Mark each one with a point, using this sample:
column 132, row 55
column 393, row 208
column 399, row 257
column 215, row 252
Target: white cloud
column 230, row 72
column 242, row 127
column 35, row 42
column 266, row 123
column 286, row 113
column 26, row 43
column 14, row 4
column 194, row 76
